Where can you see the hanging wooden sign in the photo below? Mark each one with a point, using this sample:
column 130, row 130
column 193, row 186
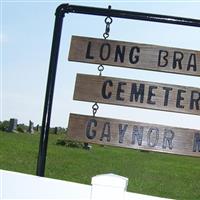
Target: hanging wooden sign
column 134, row 135
column 135, row 55
column 135, row 93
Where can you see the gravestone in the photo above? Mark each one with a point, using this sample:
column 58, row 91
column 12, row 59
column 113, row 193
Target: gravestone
column 38, row 128
column 30, row 128
column 56, row 130
column 87, row 146
column 12, row 125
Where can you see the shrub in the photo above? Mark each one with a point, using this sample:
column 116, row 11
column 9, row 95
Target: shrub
column 69, row 143
column 4, row 125
column 20, row 129
column 60, row 142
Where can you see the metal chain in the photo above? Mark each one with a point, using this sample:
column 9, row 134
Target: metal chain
column 95, row 107
column 108, row 21
column 100, row 69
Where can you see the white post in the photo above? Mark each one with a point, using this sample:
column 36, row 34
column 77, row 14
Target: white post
column 108, row 186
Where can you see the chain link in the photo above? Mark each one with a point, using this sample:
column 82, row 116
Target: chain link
column 100, row 69
column 108, row 21
column 95, row 107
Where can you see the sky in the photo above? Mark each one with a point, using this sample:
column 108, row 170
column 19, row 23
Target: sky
column 26, row 37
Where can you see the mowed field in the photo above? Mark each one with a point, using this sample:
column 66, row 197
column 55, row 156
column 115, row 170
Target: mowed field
column 157, row 174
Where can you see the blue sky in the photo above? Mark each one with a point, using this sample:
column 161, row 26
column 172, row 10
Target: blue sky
column 26, row 35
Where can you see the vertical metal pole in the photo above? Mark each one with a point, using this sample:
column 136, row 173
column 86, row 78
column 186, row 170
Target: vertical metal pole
column 49, row 92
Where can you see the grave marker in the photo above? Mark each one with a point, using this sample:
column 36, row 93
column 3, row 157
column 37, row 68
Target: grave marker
column 30, row 128
column 56, row 130
column 12, row 125
column 38, row 128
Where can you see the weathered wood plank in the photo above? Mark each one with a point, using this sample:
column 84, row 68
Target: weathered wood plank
column 135, row 55
column 135, row 93
column 136, row 135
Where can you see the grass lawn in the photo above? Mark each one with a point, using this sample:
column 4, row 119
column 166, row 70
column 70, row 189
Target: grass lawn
column 149, row 173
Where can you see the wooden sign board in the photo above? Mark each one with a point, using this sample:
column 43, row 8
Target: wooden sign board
column 135, row 93
column 134, row 135
column 135, row 55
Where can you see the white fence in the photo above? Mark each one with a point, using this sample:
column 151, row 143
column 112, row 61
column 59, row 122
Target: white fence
column 107, row 186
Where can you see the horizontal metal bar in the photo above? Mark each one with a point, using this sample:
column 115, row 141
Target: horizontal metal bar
column 129, row 15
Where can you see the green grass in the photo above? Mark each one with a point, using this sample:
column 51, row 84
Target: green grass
column 149, row 173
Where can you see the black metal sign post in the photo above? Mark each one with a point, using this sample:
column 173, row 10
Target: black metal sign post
column 60, row 12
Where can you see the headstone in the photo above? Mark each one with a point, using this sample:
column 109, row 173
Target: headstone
column 56, row 130
column 12, row 125
column 38, row 128
column 30, row 128
column 87, row 146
